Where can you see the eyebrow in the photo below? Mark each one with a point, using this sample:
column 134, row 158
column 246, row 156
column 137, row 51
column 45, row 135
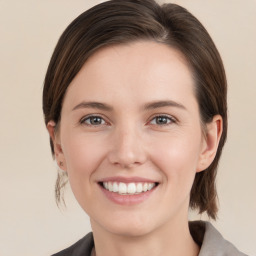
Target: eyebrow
column 164, row 103
column 148, row 106
column 96, row 105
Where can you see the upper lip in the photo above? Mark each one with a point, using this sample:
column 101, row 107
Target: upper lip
column 127, row 179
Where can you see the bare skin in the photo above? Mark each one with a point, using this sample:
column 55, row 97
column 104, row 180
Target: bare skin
column 130, row 114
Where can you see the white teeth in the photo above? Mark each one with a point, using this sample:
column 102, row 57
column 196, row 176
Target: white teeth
column 131, row 189
column 128, row 188
column 139, row 188
column 115, row 187
column 122, row 189
column 105, row 184
column 150, row 186
column 110, row 187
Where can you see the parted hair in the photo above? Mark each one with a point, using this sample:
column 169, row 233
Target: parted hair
column 124, row 21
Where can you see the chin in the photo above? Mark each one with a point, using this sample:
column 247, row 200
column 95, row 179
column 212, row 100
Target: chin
column 130, row 227
column 130, row 231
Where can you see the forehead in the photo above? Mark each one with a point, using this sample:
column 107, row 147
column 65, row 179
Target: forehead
column 148, row 68
column 143, row 55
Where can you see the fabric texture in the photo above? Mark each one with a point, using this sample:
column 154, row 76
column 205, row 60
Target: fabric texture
column 204, row 234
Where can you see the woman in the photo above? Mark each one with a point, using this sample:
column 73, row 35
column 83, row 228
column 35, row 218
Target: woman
column 135, row 105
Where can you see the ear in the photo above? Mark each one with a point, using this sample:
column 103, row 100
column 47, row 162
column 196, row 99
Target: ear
column 210, row 143
column 59, row 156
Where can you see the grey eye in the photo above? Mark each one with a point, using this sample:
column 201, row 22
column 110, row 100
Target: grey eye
column 94, row 120
column 161, row 120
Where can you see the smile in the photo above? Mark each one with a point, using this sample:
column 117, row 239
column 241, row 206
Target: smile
column 131, row 188
column 128, row 191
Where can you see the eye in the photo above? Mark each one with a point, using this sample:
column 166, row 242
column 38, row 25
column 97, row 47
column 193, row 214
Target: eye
column 162, row 120
column 93, row 120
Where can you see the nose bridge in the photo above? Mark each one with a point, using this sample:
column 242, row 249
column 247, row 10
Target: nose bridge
column 127, row 146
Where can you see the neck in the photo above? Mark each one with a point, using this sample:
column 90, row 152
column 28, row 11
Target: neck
column 172, row 239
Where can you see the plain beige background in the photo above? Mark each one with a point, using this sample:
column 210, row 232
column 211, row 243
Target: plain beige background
column 30, row 222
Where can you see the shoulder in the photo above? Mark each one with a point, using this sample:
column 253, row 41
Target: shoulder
column 211, row 241
column 82, row 247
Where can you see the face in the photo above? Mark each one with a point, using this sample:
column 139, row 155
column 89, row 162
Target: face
column 130, row 138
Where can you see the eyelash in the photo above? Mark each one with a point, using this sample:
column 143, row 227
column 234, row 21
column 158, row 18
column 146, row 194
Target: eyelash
column 84, row 119
column 169, row 119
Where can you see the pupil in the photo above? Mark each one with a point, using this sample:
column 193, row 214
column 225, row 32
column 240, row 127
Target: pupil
column 161, row 120
column 95, row 120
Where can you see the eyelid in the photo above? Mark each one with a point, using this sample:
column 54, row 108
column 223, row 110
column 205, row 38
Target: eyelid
column 171, row 118
column 82, row 120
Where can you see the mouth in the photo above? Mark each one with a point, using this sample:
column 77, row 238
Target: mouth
column 128, row 191
column 130, row 188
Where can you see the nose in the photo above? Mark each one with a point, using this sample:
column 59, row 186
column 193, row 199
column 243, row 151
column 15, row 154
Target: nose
column 127, row 148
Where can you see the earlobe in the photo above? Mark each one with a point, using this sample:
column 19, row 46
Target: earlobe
column 59, row 156
column 210, row 143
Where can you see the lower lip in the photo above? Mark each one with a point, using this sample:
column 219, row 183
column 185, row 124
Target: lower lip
column 127, row 199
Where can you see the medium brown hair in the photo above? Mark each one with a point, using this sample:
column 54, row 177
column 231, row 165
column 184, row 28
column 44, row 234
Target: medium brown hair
column 124, row 21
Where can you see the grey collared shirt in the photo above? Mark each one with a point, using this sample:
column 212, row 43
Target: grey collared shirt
column 205, row 235
column 211, row 241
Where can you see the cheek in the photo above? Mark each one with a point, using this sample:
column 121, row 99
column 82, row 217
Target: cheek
column 83, row 154
column 177, row 157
